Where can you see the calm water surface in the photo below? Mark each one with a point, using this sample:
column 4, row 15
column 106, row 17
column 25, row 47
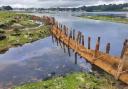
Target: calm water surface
column 41, row 59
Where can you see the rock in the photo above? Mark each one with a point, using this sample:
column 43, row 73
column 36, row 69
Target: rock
column 2, row 37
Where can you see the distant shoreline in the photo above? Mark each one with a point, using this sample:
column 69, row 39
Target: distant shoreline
column 107, row 18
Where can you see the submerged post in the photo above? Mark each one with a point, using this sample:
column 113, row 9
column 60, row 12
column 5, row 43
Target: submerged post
column 76, row 58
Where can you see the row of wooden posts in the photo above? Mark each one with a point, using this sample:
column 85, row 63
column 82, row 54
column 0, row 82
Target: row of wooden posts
column 79, row 38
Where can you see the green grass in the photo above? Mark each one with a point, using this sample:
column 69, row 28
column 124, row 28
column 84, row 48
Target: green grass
column 108, row 18
column 20, row 31
column 25, row 36
column 71, row 81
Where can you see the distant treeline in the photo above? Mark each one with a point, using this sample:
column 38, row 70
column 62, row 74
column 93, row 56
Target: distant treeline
column 110, row 7
column 6, row 8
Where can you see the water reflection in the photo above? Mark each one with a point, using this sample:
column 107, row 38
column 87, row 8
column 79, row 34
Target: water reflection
column 36, row 61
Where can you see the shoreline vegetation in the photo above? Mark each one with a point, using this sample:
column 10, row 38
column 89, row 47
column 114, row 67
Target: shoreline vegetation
column 18, row 29
column 77, row 80
column 107, row 18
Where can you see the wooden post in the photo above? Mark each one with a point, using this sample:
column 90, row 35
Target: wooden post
column 108, row 48
column 80, row 38
column 73, row 34
column 124, row 47
column 59, row 38
column 96, row 49
column 89, row 42
column 70, row 35
column 99, row 41
column 67, row 32
column 53, row 21
column 83, row 40
column 98, row 44
column 121, row 65
column 76, row 58
column 61, row 26
column 64, row 29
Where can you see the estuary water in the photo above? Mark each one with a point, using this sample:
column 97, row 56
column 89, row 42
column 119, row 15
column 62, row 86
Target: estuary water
column 42, row 59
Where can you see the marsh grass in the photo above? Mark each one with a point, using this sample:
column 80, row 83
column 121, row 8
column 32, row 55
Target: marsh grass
column 108, row 18
column 20, row 29
column 71, row 81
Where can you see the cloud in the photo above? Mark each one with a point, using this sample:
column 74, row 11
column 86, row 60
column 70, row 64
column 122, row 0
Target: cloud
column 57, row 3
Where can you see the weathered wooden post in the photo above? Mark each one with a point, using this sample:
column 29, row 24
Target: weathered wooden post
column 89, row 42
column 80, row 38
column 67, row 32
column 70, row 35
column 96, row 50
column 83, row 40
column 60, row 37
column 64, row 29
column 73, row 34
column 99, row 42
column 64, row 46
column 108, row 48
column 124, row 48
column 122, row 62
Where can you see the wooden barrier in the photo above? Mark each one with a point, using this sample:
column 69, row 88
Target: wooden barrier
column 116, row 66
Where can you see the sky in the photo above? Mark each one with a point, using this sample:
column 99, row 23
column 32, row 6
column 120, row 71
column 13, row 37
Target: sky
column 57, row 3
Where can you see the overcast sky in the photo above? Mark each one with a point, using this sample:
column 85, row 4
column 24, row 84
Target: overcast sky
column 57, row 3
